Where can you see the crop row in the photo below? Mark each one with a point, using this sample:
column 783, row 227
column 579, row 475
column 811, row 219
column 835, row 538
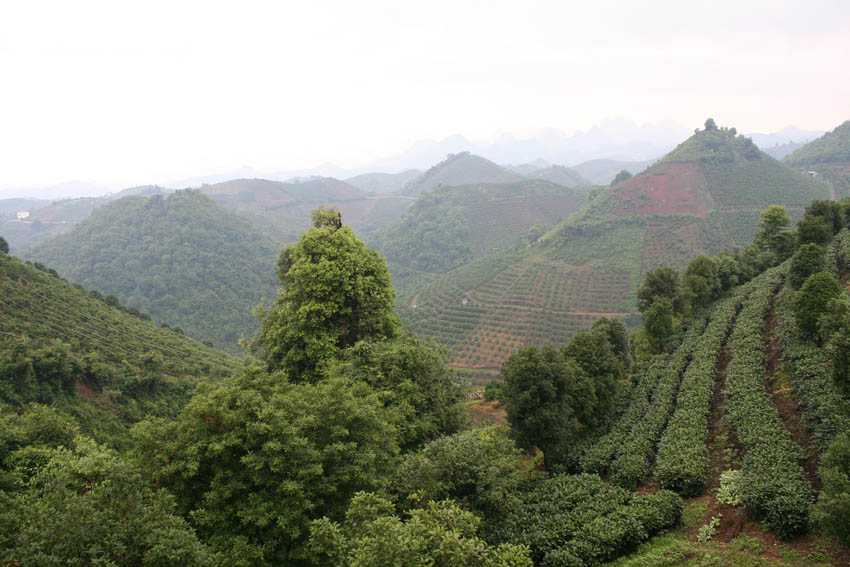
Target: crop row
column 826, row 412
column 597, row 459
column 682, row 461
column 773, row 484
column 761, row 183
column 637, row 449
column 579, row 520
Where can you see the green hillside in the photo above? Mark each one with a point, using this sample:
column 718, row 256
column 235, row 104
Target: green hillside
column 282, row 209
column 377, row 183
column 828, row 157
column 57, row 217
column 103, row 364
column 460, row 169
column 561, row 175
column 181, row 258
column 448, row 227
column 703, row 197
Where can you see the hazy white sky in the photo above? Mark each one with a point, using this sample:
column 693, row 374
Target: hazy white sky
column 131, row 93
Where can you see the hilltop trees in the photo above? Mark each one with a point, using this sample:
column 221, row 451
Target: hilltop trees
column 335, row 293
column 4, row 246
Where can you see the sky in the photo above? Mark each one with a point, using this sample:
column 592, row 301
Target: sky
column 124, row 93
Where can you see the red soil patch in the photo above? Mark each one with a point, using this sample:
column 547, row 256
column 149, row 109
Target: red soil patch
column 670, row 189
column 86, row 391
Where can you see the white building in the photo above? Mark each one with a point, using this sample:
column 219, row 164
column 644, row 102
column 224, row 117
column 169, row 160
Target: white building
column 23, row 214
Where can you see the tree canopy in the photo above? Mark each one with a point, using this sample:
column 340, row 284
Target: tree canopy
column 335, row 292
column 254, row 460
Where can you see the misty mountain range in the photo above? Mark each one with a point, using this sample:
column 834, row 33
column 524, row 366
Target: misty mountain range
column 613, row 139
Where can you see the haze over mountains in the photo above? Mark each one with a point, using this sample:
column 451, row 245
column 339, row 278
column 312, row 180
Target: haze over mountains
column 616, row 139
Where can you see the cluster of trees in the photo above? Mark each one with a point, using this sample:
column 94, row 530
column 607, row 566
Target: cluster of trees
column 715, row 145
column 554, row 397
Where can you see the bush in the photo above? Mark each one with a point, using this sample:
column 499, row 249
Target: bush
column 833, row 508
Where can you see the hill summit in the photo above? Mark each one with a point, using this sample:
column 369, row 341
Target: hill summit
column 460, row 169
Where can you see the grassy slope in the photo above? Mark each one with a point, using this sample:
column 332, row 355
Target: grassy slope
column 703, row 197
column 182, row 259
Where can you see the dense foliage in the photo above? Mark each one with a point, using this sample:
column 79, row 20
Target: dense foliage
column 579, row 520
column 335, row 292
column 95, row 362
column 413, row 378
column 254, row 460
column 449, row 226
column 87, row 506
column 714, row 145
column 442, row 534
column 555, row 396
column 181, row 258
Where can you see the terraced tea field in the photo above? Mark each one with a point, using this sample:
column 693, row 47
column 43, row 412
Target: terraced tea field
column 533, row 301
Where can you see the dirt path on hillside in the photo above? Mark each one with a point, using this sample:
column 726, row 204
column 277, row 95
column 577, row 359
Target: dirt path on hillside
column 724, row 451
column 777, row 384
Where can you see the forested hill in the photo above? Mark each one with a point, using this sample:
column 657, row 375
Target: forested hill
column 48, row 218
column 460, row 169
column 99, row 362
column 827, row 157
column 183, row 259
column 705, row 196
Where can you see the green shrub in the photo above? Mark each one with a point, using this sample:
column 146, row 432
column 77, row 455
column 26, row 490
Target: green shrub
column 833, row 507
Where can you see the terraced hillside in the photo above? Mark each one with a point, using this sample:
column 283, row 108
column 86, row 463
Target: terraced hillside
column 828, row 157
column 105, row 364
column 737, row 417
column 703, row 197
column 183, row 259
column 460, row 169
